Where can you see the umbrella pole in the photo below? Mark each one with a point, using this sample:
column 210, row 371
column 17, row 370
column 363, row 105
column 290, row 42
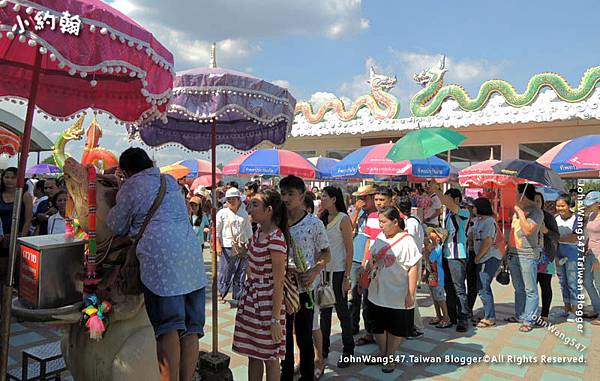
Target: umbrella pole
column 213, row 213
column 7, row 288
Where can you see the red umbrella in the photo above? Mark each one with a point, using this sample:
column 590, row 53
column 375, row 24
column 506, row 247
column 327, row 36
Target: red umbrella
column 69, row 55
column 9, row 142
column 481, row 175
column 204, row 181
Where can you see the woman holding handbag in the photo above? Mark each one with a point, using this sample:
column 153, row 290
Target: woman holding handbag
column 260, row 320
column 392, row 269
column 337, row 272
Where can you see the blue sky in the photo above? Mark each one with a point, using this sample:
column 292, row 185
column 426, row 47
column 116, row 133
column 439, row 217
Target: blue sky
column 316, row 46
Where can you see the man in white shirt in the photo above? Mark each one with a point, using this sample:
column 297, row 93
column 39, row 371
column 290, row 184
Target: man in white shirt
column 233, row 224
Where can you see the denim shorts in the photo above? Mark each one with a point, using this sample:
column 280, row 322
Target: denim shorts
column 182, row 313
column 438, row 293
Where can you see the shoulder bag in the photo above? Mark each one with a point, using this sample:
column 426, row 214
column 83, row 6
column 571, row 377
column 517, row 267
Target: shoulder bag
column 128, row 279
column 365, row 276
column 238, row 246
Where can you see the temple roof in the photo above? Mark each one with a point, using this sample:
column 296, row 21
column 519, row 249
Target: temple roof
column 546, row 108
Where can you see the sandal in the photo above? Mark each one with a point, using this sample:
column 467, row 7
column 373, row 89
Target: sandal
column 525, row 328
column 364, row 341
column 512, row 319
column 444, row 324
column 389, row 367
column 485, row 324
column 319, row 370
column 435, row 321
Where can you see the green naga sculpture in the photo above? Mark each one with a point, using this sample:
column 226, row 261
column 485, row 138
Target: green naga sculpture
column 428, row 101
column 74, row 132
column 380, row 102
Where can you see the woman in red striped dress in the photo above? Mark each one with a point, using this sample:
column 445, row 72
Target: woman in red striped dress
column 260, row 320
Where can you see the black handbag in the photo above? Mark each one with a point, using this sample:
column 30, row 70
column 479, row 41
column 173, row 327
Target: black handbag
column 128, row 279
column 503, row 276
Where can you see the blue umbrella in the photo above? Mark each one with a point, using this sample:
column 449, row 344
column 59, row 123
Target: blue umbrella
column 324, row 166
column 372, row 162
column 558, row 157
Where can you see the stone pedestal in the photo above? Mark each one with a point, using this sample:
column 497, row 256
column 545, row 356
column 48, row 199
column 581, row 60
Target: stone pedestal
column 214, row 367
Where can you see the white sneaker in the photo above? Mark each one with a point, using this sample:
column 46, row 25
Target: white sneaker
column 571, row 318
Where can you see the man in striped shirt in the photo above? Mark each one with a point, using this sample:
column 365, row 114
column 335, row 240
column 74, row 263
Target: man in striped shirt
column 455, row 256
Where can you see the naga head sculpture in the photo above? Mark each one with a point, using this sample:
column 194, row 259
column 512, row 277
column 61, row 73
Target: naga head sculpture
column 380, row 82
column 76, row 179
column 76, row 130
column 433, row 74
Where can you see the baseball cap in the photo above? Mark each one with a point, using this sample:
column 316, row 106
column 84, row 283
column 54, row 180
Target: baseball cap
column 233, row 192
column 591, row 198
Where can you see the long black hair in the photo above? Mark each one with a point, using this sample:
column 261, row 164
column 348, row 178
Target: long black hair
column 391, row 213
column 273, row 199
column 2, row 185
column 340, row 205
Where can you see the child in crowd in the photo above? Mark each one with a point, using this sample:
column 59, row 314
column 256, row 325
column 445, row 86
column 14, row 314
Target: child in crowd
column 433, row 262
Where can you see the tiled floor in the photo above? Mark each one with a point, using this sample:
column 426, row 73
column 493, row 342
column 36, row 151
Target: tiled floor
column 504, row 339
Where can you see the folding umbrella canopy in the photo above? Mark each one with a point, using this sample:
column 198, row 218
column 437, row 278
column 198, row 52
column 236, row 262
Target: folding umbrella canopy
column 531, row 171
column 272, row 162
column 43, row 169
column 572, row 155
column 216, row 106
column 424, row 143
column 66, row 56
column 175, row 170
column 372, row 161
column 197, row 167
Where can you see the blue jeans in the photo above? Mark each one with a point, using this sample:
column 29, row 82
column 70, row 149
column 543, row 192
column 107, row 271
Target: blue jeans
column 231, row 273
column 590, row 283
column 567, row 275
column 523, row 271
column 485, row 275
column 456, row 277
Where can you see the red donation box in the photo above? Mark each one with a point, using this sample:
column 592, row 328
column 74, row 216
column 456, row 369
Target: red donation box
column 48, row 270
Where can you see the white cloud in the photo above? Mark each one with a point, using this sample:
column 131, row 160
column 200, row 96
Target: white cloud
column 238, row 26
column 281, row 83
column 404, row 65
column 463, row 71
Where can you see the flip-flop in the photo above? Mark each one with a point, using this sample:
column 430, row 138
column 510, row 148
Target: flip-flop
column 525, row 328
column 511, row 319
column 364, row 341
column 435, row 321
column 485, row 324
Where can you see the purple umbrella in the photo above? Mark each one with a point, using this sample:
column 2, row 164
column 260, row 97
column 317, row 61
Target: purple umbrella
column 214, row 106
column 43, row 169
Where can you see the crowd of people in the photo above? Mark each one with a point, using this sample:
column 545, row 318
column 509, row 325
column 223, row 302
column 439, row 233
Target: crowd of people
column 374, row 248
column 290, row 256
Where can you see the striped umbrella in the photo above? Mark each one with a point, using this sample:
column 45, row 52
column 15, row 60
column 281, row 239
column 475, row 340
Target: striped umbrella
column 372, row 161
column 273, row 162
column 197, row 167
column 575, row 155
